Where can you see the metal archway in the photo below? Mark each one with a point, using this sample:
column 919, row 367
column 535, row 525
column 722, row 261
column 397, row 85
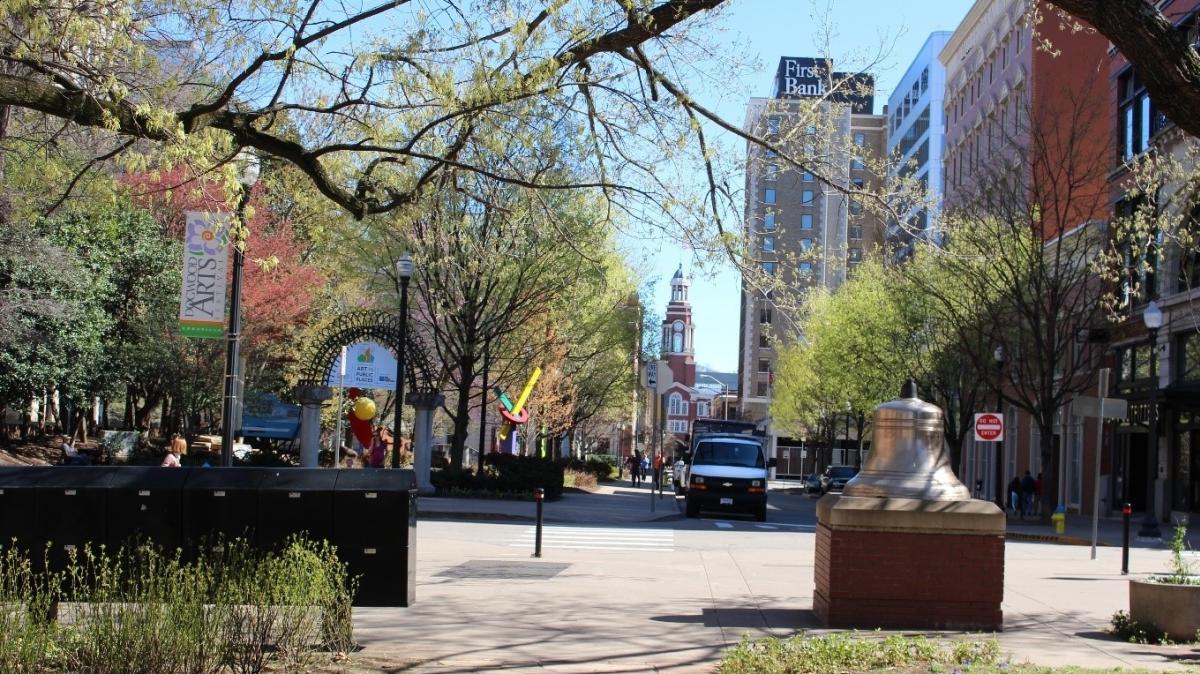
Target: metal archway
column 359, row 325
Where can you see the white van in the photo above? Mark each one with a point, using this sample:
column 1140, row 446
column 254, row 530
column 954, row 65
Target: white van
column 728, row 471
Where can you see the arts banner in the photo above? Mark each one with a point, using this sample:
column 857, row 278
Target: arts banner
column 205, row 258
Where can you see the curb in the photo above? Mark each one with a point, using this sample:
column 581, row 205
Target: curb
column 1051, row 538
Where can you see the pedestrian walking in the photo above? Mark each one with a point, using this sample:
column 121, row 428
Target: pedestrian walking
column 658, row 469
column 179, row 444
column 635, row 468
column 1027, row 488
column 1014, row 495
column 378, row 449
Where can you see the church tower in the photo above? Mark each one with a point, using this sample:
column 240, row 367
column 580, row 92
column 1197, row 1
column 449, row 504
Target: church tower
column 678, row 339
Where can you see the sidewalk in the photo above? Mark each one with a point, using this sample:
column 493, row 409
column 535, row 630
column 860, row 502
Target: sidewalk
column 611, row 503
column 483, row 605
column 1078, row 531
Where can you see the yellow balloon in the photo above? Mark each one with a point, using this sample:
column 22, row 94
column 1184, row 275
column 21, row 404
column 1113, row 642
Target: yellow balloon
column 364, row 408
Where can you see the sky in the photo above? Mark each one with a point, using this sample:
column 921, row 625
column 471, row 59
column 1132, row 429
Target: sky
column 772, row 29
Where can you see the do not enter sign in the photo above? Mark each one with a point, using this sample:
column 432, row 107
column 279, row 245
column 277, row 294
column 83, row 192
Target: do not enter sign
column 988, row 427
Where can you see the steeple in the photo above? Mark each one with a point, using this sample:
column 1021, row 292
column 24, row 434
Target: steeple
column 679, row 286
column 678, row 333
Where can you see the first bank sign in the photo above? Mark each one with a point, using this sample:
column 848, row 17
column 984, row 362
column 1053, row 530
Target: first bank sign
column 801, row 77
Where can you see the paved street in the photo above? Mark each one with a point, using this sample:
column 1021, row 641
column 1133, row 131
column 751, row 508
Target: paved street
column 672, row 594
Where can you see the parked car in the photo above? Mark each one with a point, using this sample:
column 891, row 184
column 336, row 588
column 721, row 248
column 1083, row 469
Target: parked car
column 812, row 483
column 836, row 477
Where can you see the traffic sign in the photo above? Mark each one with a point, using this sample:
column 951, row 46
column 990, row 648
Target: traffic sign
column 652, row 374
column 1109, row 408
column 989, row 427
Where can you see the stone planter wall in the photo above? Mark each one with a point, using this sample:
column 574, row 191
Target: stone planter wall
column 1174, row 609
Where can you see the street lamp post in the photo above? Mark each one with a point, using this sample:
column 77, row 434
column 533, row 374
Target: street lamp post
column 404, row 272
column 998, row 356
column 248, row 169
column 1153, row 318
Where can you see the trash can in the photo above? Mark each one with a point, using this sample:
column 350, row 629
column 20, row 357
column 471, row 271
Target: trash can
column 145, row 505
column 219, row 503
column 71, row 510
column 19, row 520
column 294, row 501
column 375, row 531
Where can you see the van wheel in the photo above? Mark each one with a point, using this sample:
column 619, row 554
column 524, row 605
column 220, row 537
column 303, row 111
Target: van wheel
column 693, row 508
column 761, row 513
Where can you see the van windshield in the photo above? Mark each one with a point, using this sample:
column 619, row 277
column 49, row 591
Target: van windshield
column 717, row 453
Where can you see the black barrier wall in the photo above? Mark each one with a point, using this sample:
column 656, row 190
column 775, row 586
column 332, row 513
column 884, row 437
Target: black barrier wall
column 370, row 515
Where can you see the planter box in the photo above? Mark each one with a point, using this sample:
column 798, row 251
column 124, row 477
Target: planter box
column 1174, row 609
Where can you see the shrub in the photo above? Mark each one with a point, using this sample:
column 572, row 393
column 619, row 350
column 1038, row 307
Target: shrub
column 1180, row 570
column 1124, row 627
column 579, row 480
column 140, row 609
column 504, row 474
column 850, row 652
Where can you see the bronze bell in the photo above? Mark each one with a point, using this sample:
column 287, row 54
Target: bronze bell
column 908, row 454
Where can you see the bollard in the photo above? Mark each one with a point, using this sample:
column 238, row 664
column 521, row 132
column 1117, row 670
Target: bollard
column 1126, row 512
column 539, row 495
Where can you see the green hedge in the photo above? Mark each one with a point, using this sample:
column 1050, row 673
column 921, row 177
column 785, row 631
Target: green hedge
column 504, row 475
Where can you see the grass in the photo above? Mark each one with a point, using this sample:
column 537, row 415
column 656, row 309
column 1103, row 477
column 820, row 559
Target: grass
column 858, row 653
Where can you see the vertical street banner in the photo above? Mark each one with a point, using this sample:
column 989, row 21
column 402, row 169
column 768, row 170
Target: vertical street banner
column 205, row 259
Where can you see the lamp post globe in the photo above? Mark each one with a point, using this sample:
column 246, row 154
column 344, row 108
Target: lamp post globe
column 404, row 273
column 248, row 168
column 1152, row 317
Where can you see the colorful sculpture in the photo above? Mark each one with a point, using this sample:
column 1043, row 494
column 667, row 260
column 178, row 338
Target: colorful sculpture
column 515, row 414
column 362, row 411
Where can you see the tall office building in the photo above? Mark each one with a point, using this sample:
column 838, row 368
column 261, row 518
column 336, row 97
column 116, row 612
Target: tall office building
column 916, row 134
column 804, row 231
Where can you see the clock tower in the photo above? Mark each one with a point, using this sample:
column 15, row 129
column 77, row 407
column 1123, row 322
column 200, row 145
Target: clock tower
column 678, row 344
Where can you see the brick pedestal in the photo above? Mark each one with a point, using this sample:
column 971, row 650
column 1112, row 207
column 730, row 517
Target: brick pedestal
column 908, row 563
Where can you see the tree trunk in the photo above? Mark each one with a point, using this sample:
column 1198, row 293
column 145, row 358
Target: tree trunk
column 1049, row 474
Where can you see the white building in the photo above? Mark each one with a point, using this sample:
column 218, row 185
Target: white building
column 916, row 135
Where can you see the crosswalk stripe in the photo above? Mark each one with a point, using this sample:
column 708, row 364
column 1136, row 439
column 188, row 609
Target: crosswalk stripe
column 580, row 538
column 723, row 525
column 766, row 526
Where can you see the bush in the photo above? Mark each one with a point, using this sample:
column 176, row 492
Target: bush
column 1124, row 627
column 140, row 609
column 574, row 478
column 505, row 475
column 852, row 653
column 594, row 465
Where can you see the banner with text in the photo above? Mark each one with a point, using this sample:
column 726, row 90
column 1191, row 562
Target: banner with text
column 205, row 258
column 368, row 365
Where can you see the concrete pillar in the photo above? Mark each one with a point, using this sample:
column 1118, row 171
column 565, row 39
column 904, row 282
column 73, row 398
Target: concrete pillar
column 311, row 398
column 424, row 405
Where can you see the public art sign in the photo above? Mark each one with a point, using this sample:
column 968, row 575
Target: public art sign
column 205, row 259
column 368, row 365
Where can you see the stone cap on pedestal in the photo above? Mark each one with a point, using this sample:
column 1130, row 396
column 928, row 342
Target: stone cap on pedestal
column 309, row 394
column 425, row 399
column 909, row 514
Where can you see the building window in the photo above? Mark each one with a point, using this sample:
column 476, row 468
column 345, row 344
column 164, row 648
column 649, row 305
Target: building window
column 855, row 232
column 806, row 245
column 807, row 176
column 860, row 139
column 676, row 407
column 768, row 244
column 806, row 198
column 1187, row 365
column 761, row 389
column 805, row 268
column 769, row 196
column 768, row 268
column 702, row 408
column 677, row 426
column 764, row 340
column 771, row 172
column 855, row 207
column 806, row 221
column 769, row 222
column 773, row 125
column 770, row 154
column 855, row 255
column 764, row 365
column 764, row 315
column 1137, row 116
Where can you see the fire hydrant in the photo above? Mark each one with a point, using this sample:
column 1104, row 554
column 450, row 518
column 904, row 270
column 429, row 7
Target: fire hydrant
column 1060, row 521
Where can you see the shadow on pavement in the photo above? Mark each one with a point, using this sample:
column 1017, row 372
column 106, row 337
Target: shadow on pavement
column 746, row 617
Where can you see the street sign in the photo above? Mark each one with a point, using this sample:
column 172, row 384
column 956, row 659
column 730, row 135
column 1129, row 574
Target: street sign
column 665, row 377
column 1087, row 406
column 989, row 427
column 652, row 374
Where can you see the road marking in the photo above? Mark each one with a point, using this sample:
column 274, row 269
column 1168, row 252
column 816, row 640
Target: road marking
column 766, row 526
column 596, row 538
column 723, row 525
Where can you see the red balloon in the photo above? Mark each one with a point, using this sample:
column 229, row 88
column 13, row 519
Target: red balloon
column 353, row 391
